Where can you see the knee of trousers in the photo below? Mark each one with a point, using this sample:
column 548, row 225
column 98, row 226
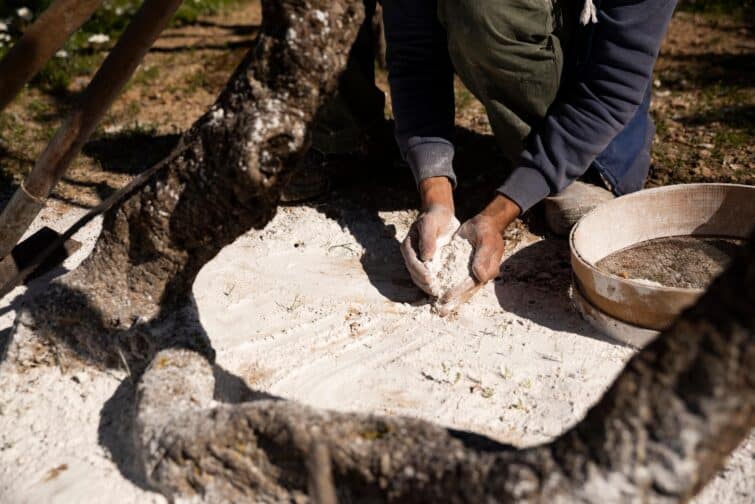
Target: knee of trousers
column 507, row 53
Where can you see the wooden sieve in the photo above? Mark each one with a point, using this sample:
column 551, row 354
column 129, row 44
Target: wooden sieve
column 621, row 306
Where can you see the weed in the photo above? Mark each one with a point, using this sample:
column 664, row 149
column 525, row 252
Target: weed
column 197, row 80
column 464, row 97
column 146, row 75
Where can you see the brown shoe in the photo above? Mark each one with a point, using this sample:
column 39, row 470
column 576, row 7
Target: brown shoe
column 564, row 209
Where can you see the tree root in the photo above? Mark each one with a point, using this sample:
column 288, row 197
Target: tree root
column 659, row 434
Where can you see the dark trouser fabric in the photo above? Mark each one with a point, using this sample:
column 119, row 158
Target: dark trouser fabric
column 515, row 56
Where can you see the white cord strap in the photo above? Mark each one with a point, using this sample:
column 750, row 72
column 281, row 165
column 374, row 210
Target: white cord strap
column 589, row 13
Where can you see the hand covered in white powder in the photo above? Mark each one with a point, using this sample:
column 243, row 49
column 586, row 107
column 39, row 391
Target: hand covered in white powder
column 484, row 235
column 433, row 229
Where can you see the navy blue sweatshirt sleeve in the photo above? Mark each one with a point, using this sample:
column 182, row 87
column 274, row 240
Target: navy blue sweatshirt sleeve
column 579, row 125
column 597, row 106
column 421, row 80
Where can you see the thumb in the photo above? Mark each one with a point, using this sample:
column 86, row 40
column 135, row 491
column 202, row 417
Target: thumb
column 428, row 229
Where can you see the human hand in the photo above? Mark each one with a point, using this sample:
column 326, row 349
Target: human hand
column 433, row 228
column 485, row 233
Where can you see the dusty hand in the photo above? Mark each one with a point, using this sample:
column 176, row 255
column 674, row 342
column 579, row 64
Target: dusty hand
column 437, row 222
column 432, row 229
column 488, row 246
column 485, row 233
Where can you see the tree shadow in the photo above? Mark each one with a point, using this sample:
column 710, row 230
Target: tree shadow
column 116, row 433
column 535, row 284
column 128, row 152
column 240, row 44
column 69, row 329
column 707, row 69
column 738, row 116
column 237, row 29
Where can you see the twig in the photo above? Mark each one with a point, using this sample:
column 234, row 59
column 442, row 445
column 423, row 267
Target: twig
column 125, row 364
column 322, row 490
column 550, row 358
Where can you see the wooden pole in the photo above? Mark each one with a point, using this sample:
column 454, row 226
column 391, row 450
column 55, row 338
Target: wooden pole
column 40, row 42
column 120, row 64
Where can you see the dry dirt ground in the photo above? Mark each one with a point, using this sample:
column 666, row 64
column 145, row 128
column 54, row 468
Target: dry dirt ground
column 318, row 308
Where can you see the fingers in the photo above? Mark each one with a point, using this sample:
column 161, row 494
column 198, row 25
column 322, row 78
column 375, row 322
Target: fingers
column 489, row 248
column 428, row 229
column 458, row 296
column 487, row 260
column 435, row 228
column 457, row 292
column 468, row 231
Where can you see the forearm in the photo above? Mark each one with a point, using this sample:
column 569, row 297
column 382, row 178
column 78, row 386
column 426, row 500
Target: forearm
column 436, row 191
column 500, row 212
column 421, row 81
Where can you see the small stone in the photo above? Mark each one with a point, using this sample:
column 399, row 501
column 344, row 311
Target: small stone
column 98, row 38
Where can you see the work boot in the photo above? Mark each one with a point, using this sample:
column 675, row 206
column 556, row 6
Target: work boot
column 564, row 209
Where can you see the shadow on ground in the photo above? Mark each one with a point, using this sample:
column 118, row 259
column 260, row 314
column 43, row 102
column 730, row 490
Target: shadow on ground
column 361, row 190
column 130, row 152
column 535, row 284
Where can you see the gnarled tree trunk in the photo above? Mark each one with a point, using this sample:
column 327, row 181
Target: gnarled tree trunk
column 225, row 180
column 659, row 433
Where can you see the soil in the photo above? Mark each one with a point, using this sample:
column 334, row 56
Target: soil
column 704, row 101
column 682, row 261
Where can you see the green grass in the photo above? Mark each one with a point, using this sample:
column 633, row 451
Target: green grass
column 197, row 80
column 82, row 56
column 146, row 75
column 730, row 139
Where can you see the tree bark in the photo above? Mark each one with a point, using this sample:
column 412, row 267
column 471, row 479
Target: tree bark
column 659, row 433
column 225, row 180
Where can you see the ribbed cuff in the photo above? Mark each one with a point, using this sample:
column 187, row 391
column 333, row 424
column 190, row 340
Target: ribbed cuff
column 526, row 187
column 430, row 157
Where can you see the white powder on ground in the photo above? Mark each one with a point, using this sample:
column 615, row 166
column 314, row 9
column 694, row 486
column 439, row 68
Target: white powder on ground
column 331, row 338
